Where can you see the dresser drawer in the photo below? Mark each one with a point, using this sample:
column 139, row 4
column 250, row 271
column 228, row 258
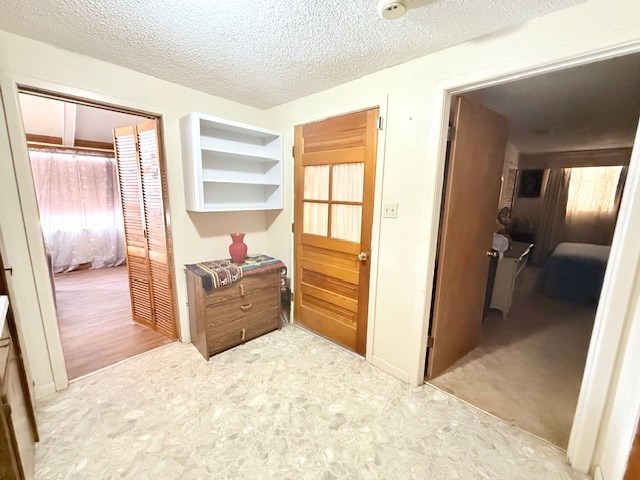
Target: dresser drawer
column 220, row 314
column 227, row 316
column 243, row 329
column 243, row 287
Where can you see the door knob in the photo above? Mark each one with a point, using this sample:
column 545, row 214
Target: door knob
column 492, row 253
column 363, row 256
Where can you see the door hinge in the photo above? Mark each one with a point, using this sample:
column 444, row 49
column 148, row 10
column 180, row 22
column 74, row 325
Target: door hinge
column 292, row 229
column 430, row 341
column 451, row 133
column 293, row 151
column 380, row 123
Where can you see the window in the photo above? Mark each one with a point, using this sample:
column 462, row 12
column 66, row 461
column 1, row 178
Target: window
column 593, row 191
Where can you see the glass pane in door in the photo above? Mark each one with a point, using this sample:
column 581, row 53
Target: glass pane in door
column 346, row 222
column 315, row 218
column 347, row 182
column 316, row 182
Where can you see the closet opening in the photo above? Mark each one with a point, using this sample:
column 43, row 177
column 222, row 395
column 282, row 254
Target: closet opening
column 100, row 185
column 535, row 176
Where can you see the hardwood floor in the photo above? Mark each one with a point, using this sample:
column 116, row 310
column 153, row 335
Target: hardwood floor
column 94, row 315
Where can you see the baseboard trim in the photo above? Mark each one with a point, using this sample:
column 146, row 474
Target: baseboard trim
column 44, row 390
column 390, row 368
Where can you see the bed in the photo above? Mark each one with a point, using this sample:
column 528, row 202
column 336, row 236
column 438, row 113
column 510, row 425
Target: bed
column 574, row 272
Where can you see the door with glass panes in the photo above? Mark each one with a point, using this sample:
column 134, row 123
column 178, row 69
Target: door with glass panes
column 334, row 188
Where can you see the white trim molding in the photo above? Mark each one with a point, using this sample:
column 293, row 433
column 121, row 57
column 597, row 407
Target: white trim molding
column 617, row 293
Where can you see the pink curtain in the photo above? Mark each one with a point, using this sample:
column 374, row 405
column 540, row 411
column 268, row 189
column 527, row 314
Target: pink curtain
column 80, row 210
column 592, row 206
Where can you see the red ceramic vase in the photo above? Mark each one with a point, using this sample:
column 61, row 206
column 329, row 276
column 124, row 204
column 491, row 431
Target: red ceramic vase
column 238, row 249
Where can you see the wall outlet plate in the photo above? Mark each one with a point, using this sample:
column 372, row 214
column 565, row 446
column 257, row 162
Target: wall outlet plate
column 390, row 210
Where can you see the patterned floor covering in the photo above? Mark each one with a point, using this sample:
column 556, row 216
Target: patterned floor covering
column 286, row 405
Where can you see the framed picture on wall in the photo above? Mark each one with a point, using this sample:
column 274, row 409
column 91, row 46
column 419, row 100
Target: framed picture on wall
column 530, row 183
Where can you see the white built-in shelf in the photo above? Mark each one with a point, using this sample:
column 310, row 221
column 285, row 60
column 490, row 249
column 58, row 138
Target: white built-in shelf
column 230, row 166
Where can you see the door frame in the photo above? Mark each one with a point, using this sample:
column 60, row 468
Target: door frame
column 612, row 316
column 11, row 85
column 380, row 103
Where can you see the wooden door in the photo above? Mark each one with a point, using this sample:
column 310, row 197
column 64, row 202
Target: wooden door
column 470, row 207
column 633, row 463
column 153, row 193
column 334, row 183
column 130, row 183
column 142, row 192
column 18, row 426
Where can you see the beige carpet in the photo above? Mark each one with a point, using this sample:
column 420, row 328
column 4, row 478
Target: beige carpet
column 528, row 367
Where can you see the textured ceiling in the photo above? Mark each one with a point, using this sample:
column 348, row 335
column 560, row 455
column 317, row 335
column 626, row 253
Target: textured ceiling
column 587, row 107
column 260, row 52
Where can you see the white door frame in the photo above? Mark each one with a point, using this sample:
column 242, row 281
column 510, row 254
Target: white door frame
column 616, row 297
column 10, row 86
column 380, row 103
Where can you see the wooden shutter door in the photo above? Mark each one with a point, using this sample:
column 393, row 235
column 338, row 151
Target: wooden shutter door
column 130, row 183
column 153, row 192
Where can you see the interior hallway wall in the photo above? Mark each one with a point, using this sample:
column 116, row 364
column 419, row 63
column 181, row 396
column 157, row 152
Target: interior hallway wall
column 410, row 167
column 196, row 236
column 409, row 171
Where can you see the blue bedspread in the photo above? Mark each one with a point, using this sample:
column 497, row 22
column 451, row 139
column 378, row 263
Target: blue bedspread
column 575, row 272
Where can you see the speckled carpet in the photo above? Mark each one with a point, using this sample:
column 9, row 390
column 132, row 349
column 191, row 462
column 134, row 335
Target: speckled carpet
column 285, row 406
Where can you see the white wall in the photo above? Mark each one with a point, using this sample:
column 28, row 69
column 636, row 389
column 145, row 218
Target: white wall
column 196, row 237
column 412, row 173
column 413, row 167
column 616, row 442
column 409, row 170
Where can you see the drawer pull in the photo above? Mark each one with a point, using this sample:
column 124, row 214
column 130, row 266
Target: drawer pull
column 247, row 307
column 241, row 290
column 243, row 332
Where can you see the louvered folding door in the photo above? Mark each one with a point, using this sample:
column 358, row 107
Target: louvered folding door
column 142, row 190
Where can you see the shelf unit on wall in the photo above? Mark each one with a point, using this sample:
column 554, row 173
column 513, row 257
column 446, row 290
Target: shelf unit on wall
column 230, row 166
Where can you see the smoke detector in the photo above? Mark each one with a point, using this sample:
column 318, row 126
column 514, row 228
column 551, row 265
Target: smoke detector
column 392, row 9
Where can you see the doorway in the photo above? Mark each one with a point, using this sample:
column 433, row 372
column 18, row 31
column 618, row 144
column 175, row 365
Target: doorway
column 556, row 207
column 334, row 163
column 81, row 184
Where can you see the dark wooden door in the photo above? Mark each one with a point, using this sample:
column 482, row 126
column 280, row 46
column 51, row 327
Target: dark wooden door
column 18, row 427
column 472, row 193
column 334, row 186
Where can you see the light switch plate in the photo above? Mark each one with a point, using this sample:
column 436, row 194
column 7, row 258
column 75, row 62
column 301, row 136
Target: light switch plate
column 390, row 210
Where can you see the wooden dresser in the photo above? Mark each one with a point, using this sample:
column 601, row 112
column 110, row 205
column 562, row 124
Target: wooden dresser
column 230, row 315
column 18, row 432
column 509, row 275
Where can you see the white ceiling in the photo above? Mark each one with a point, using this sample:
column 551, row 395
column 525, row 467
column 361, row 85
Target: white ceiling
column 588, row 107
column 261, row 52
column 45, row 116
